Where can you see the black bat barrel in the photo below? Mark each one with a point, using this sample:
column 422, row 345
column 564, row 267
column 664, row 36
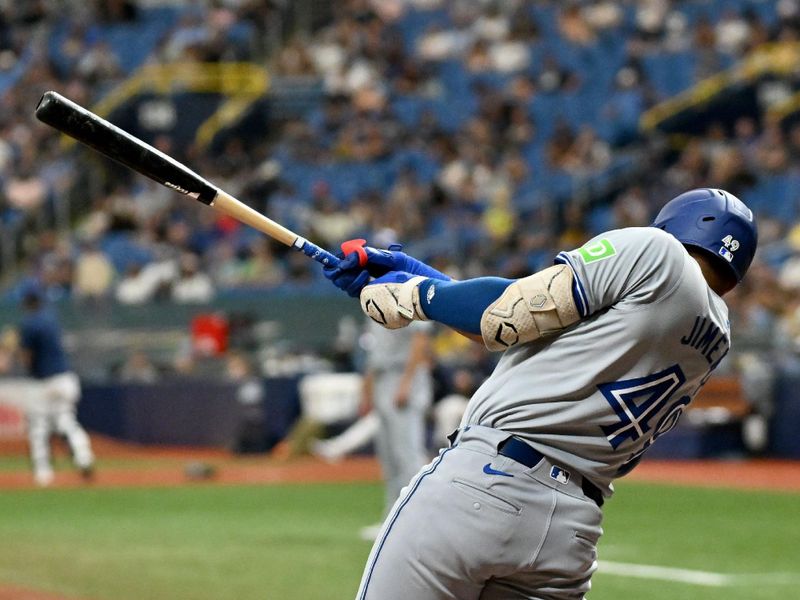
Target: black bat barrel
column 108, row 139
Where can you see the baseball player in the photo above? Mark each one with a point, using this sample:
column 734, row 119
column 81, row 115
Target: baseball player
column 398, row 385
column 602, row 353
column 53, row 393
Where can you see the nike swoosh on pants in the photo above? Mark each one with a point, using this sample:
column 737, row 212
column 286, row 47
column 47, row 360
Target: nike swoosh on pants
column 487, row 468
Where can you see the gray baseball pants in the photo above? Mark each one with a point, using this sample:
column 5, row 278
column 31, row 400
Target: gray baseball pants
column 475, row 525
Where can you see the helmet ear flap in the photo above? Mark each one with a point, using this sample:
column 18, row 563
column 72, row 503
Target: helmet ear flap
column 716, row 222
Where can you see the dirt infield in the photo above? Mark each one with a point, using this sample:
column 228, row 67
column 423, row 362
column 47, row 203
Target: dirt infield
column 8, row 592
column 130, row 465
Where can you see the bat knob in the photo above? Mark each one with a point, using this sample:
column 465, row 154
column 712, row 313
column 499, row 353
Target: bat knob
column 356, row 246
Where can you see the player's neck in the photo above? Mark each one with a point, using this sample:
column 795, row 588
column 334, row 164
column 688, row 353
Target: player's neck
column 715, row 279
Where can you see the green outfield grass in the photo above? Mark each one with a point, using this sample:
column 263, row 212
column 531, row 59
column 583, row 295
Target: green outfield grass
column 299, row 542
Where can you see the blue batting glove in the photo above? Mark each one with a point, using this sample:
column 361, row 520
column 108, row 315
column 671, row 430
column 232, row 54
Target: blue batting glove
column 347, row 276
column 378, row 262
column 360, row 262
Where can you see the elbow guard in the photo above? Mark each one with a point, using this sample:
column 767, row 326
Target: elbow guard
column 536, row 306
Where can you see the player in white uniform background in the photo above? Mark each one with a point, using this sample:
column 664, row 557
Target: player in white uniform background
column 51, row 392
column 602, row 353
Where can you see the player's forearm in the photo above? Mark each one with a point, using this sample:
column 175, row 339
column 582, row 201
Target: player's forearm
column 503, row 312
column 460, row 304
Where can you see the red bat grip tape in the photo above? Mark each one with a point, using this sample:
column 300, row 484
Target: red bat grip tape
column 356, row 246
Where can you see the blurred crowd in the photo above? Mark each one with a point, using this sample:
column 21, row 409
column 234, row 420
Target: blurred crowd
column 474, row 130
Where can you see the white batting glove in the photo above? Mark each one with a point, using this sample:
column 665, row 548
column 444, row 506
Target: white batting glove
column 393, row 299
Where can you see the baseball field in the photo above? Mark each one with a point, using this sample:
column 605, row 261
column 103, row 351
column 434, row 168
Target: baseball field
column 256, row 528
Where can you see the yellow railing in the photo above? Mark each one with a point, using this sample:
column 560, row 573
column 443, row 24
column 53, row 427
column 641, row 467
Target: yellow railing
column 769, row 59
column 240, row 83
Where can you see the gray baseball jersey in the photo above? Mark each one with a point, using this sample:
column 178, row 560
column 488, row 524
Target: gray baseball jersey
column 595, row 397
column 479, row 524
column 388, row 349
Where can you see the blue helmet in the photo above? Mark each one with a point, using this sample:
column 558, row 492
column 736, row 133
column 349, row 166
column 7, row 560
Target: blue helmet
column 716, row 222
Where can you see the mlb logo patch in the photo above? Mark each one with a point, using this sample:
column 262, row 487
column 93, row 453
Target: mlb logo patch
column 726, row 254
column 559, row 474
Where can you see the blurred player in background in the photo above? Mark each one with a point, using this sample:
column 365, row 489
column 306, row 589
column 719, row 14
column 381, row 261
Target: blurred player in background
column 398, row 386
column 53, row 391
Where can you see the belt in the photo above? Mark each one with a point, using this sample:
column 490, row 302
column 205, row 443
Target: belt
column 522, row 452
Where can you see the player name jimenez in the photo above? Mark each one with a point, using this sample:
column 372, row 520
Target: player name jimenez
column 706, row 337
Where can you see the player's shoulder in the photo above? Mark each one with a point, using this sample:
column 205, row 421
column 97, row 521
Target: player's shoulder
column 632, row 243
column 642, row 237
column 654, row 247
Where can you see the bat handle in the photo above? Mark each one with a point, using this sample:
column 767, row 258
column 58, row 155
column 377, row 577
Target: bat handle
column 313, row 251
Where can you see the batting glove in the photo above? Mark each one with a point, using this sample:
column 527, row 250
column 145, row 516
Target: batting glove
column 348, row 275
column 359, row 258
column 393, row 299
column 380, row 262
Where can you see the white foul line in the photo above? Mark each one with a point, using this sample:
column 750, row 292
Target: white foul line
column 705, row 578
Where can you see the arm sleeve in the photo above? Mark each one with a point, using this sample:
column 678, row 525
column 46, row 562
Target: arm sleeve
column 460, row 304
column 624, row 267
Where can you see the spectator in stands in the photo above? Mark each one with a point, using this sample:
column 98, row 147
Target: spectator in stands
column 732, row 33
column 94, row 274
column 573, row 26
column 771, row 155
column 327, row 219
column 746, row 139
column 650, row 22
column 138, row 368
column 192, row 285
column 141, row 282
column 631, row 209
column 439, row 43
column 587, row 154
column 25, row 190
column 117, row 11
column 295, row 60
column 98, row 64
column 261, row 268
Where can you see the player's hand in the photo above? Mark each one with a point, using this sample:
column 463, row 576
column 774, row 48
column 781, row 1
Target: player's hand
column 378, row 262
column 360, row 262
column 348, row 275
column 393, row 299
column 401, row 398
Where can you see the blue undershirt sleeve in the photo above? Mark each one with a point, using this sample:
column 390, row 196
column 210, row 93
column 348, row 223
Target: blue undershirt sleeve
column 460, row 304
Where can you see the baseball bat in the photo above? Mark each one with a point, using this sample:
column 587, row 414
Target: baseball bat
column 115, row 143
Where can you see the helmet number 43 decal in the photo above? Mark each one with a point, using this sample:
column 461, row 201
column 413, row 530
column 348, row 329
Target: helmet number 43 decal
column 729, row 246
